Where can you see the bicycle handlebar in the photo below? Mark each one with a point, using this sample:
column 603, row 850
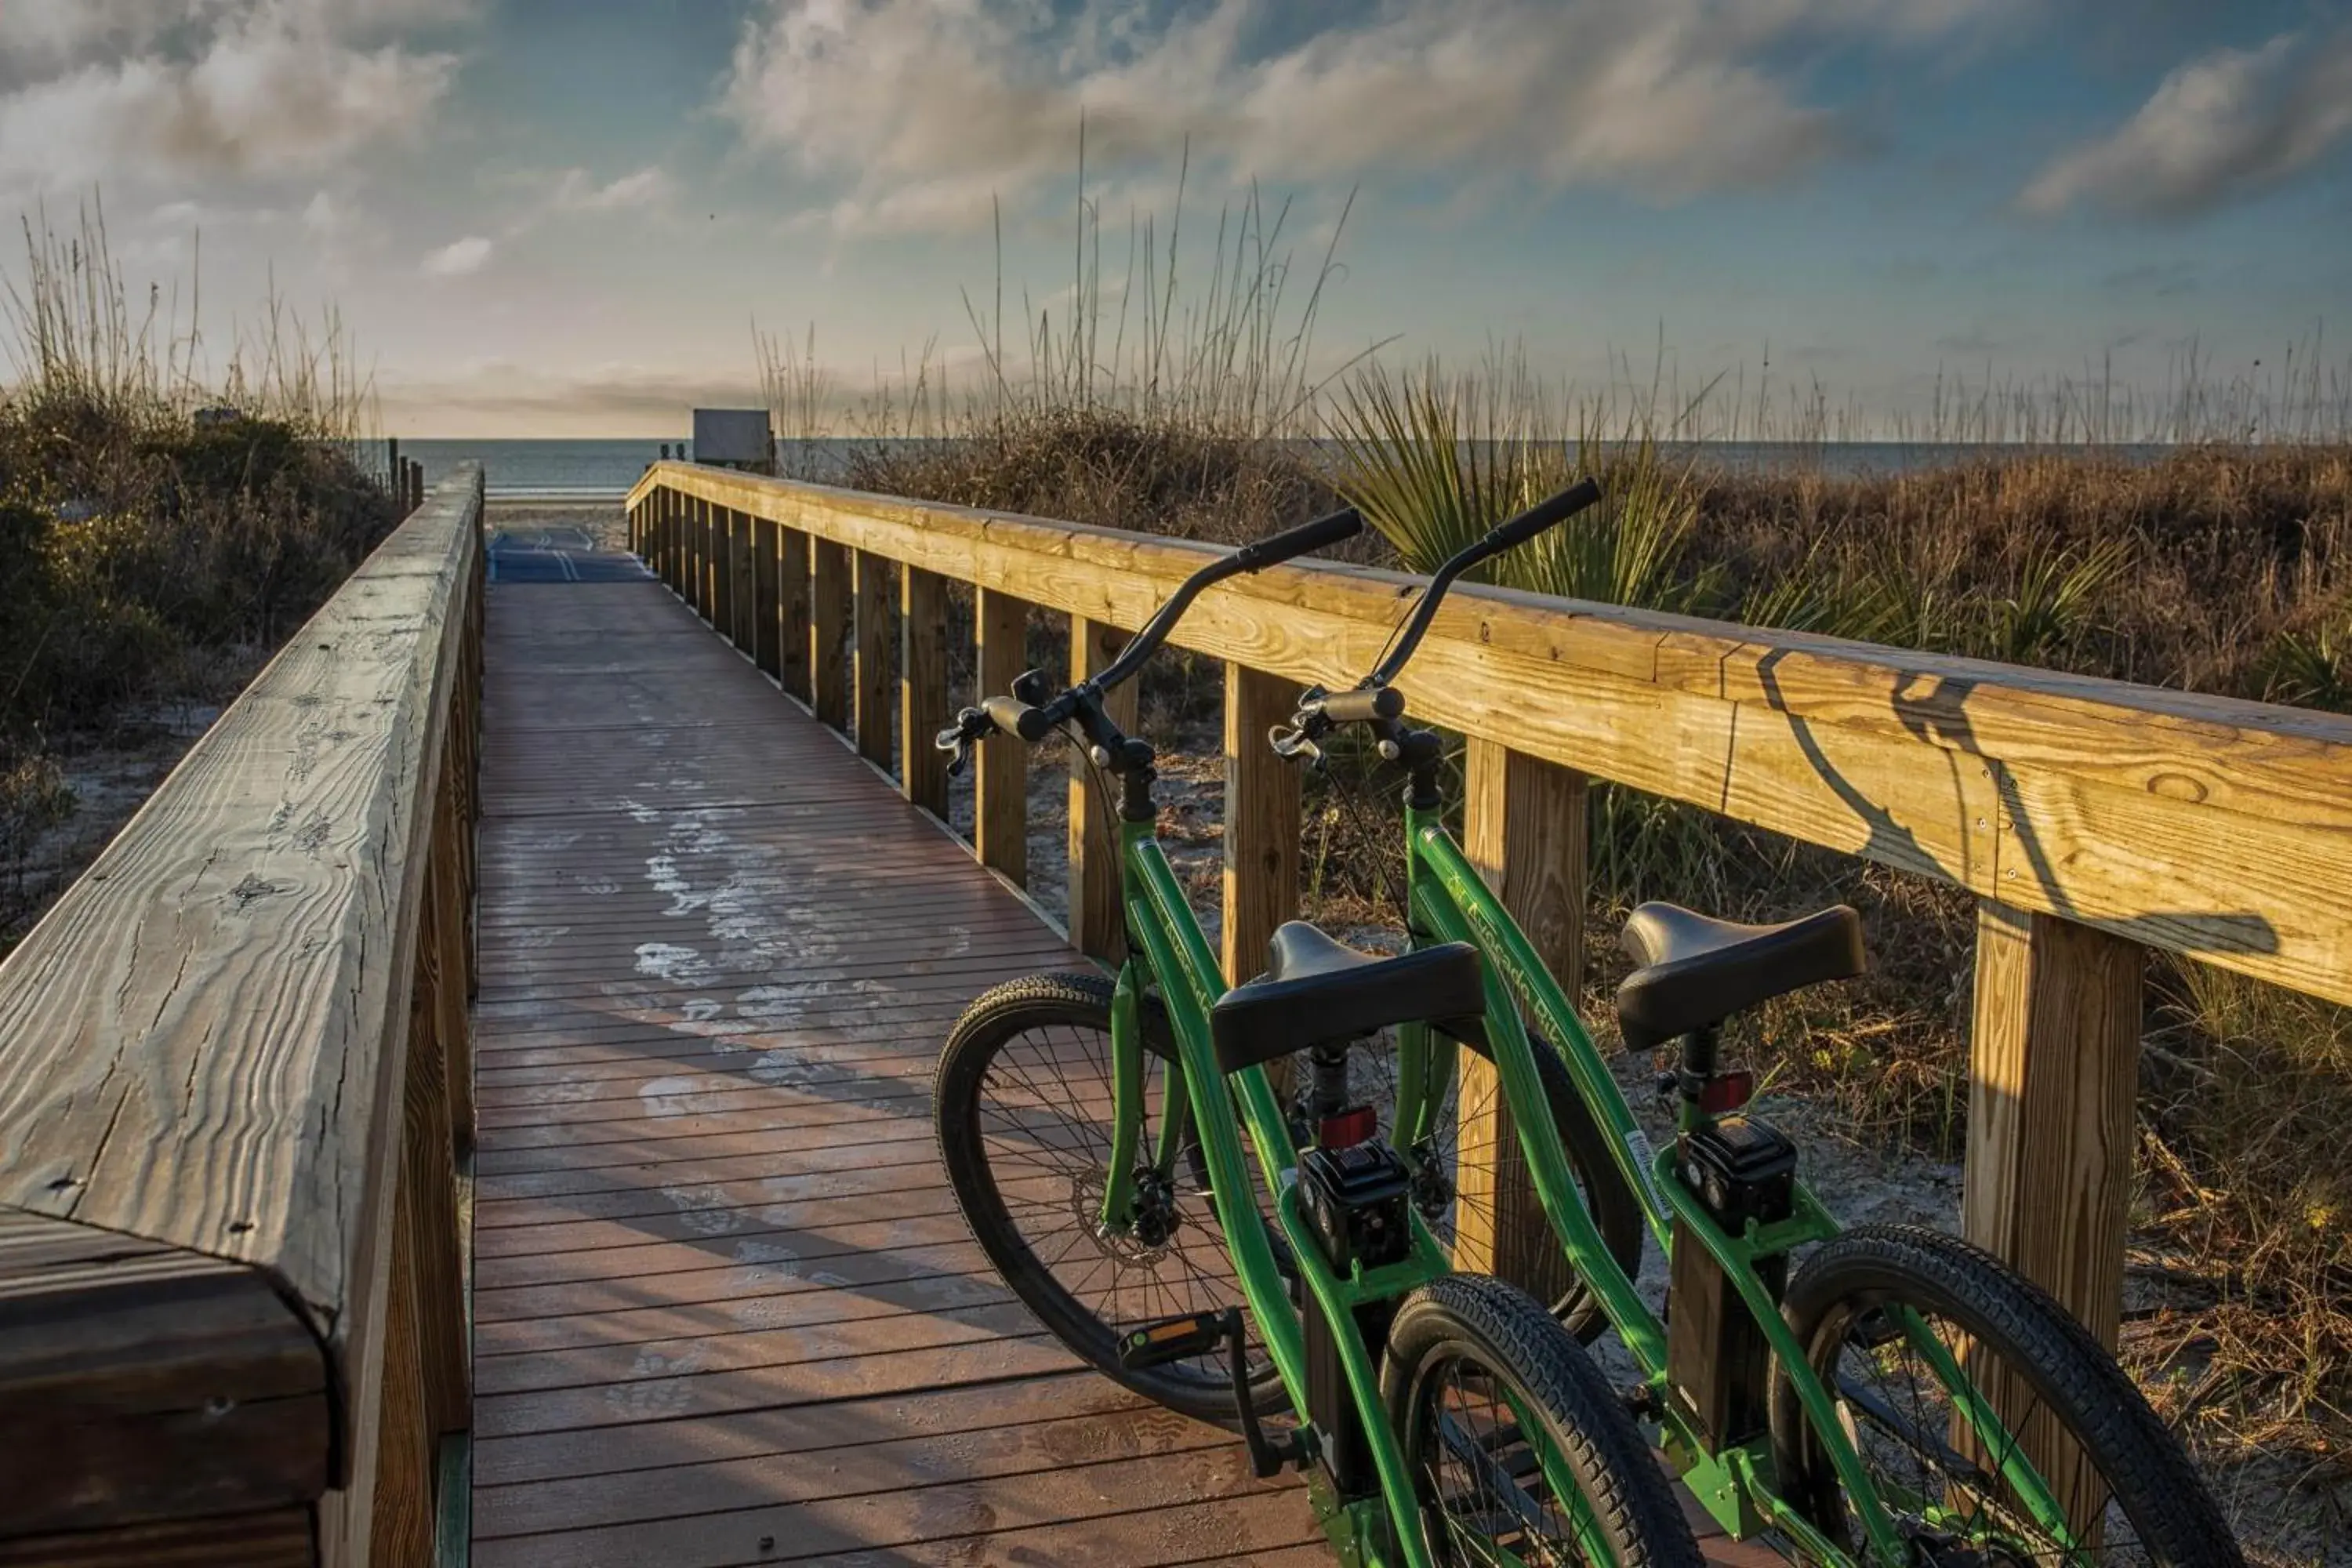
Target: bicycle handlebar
column 1288, row 545
column 1362, row 706
column 1374, row 700
column 1012, row 716
column 1517, row 530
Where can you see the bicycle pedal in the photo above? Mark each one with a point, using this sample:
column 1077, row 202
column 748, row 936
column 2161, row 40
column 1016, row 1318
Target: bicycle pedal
column 1172, row 1339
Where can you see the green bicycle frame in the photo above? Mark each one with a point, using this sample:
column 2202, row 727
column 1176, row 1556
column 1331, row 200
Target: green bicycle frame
column 1169, row 950
column 1450, row 903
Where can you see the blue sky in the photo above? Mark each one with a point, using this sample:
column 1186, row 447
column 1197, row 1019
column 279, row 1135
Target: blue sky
column 563, row 216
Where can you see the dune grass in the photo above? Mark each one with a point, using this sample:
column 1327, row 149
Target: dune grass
column 162, row 527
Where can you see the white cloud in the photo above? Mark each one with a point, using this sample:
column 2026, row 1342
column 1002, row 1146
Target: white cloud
column 576, row 192
column 245, row 87
column 2225, row 126
column 458, row 257
column 1662, row 97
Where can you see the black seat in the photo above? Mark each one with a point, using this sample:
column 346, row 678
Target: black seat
column 1315, row 989
column 1697, row 971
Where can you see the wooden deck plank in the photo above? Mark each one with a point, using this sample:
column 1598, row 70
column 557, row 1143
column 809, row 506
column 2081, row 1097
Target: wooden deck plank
column 717, row 956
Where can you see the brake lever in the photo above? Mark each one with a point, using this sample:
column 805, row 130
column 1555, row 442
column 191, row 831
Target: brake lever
column 959, row 738
column 1293, row 745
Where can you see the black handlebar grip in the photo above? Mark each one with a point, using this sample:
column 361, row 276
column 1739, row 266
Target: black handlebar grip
column 1545, row 514
column 1360, row 707
column 1015, row 717
column 1304, row 539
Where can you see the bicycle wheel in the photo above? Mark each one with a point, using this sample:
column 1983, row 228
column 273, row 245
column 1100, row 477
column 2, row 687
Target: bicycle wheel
column 1497, row 1407
column 1022, row 1104
column 1491, row 1165
column 2131, row 1494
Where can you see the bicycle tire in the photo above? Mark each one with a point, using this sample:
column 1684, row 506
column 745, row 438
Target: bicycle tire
column 1510, row 1361
column 1000, row 1019
column 1836, row 1306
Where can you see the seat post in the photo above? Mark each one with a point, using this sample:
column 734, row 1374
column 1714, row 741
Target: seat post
column 1328, row 1091
column 1702, row 1057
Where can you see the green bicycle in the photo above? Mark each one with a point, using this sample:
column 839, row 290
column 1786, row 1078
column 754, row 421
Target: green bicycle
column 1903, row 1398
column 1094, row 1135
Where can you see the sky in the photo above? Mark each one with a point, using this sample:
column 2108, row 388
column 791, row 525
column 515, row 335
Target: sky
column 564, row 217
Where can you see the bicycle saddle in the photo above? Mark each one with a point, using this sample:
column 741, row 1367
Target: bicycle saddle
column 1697, row 971
column 1315, row 990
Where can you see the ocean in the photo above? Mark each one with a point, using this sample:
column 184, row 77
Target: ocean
column 581, row 469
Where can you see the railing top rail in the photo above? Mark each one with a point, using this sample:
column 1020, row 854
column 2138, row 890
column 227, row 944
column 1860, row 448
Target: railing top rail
column 2198, row 824
column 196, row 1042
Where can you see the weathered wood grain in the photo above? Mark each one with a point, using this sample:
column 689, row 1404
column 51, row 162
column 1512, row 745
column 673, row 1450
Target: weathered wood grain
column 143, row 1382
column 2053, row 792
column 181, row 1037
column 279, row 1538
column 206, row 1042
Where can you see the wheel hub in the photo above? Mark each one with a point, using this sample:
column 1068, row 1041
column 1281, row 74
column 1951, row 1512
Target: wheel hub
column 1155, row 1216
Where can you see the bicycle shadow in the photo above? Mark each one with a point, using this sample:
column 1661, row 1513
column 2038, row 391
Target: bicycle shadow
column 2027, row 871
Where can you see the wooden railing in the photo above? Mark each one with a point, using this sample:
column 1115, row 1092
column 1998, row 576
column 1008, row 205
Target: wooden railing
column 2092, row 820
column 234, row 1096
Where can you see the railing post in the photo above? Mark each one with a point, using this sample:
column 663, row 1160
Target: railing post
column 661, row 560
column 1524, row 828
column 923, row 688
column 1098, row 925
column 672, row 542
column 744, row 608
column 713, row 551
column 2054, row 1075
column 722, row 592
column 792, row 611
column 767, row 642
column 828, row 601
column 876, row 589
column 1000, row 784
column 1261, row 877
column 2055, row 1067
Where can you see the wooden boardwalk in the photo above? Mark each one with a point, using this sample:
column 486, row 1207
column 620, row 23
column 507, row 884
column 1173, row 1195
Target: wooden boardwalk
column 725, row 1310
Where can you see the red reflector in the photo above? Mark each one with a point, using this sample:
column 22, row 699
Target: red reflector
column 1349, row 1128
column 1727, row 1091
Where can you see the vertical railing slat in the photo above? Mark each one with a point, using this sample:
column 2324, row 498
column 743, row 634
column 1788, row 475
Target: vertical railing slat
column 923, row 688
column 793, row 595
column 828, row 620
column 1261, row 874
column 1097, row 929
column 876, row 588
column 1524, row 828
column 767, row 618
column 1000, row 812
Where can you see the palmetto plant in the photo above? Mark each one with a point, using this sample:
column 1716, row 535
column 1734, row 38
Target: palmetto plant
column 1433, row 460
column 2057, row 592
